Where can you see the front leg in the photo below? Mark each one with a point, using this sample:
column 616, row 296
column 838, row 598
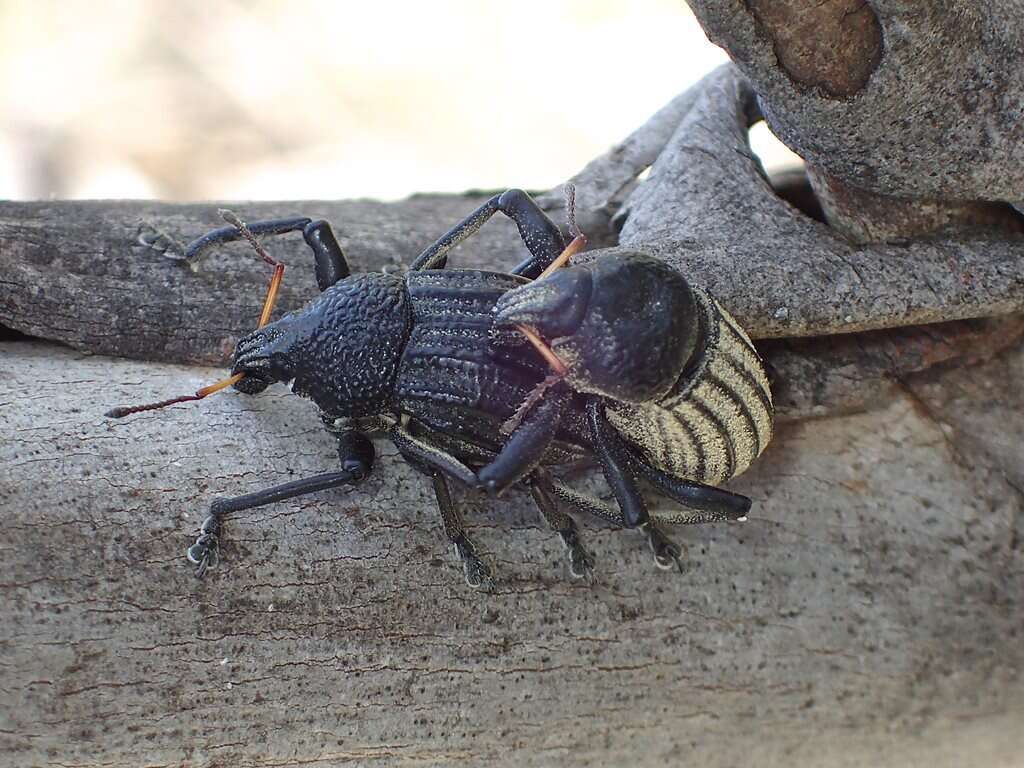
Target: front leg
column 529, row 441
column 356, row 453
column 542, row 488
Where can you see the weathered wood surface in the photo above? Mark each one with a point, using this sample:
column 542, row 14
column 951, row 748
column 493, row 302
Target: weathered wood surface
column 910, row 100
column 75, row 271
column 708, row 210
column 870, row 612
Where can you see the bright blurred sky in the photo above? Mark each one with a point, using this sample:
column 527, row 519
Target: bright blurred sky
column 194, row 99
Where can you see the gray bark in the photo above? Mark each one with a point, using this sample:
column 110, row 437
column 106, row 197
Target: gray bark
column 708, row 210
column 904, row 99
column 868, row 613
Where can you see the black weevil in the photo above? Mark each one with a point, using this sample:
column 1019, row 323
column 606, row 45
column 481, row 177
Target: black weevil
column 491, row 378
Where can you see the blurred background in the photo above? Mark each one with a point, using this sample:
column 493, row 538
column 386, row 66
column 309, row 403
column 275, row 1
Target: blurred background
column 267, row 99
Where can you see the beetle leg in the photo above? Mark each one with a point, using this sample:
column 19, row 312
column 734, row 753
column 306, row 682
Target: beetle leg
column 204, row 552
column 331, row 265
column 541, row 236
column 708, row 503
column 528, row 442
column 356, row 453
column 581, row 562
column 476, row 571
column 666, row 552
column 420, row 453
column 588, row 505
column 617, row 468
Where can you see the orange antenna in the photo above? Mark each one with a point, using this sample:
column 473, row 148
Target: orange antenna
column 558, row 367
column 268, row 307
column 578, row 244
column 559, row 370
column 546, row 352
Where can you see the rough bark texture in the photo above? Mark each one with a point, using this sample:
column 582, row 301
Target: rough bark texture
column 938, row 117
column 869, row 612
column 832, row 375
column 708, row 209
column 864, row 217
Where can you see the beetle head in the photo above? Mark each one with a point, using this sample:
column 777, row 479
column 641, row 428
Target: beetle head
column 341, row 351
column 624, row 324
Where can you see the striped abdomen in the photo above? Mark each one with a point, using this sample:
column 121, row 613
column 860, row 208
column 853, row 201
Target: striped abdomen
column 717, row 419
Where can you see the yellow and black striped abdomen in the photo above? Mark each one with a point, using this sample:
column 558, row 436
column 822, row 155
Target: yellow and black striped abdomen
column 717, row 419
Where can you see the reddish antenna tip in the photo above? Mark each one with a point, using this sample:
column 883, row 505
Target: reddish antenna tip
column 118, row 413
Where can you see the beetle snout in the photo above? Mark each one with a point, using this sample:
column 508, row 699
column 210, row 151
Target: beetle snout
column 259, row 357
column 555, row 305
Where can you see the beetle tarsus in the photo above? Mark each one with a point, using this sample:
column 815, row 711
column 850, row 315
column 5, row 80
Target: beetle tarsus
column 160, row 241
column 477, row 574
column 667, row 554
column 205, row 553
column 542, row 488
column 581, row 561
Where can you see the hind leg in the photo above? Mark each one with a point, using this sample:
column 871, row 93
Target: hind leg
column 702, row 503
column 581, row 562
column 616, row 466
column 667, row 553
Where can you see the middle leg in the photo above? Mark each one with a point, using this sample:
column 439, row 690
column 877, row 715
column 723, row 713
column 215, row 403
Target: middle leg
column 667, row 553
column 581, row 562
column 541, row 236
column 477, row 574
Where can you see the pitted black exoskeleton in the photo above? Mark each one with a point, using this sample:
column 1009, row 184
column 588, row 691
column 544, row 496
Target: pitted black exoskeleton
column 656, row 381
